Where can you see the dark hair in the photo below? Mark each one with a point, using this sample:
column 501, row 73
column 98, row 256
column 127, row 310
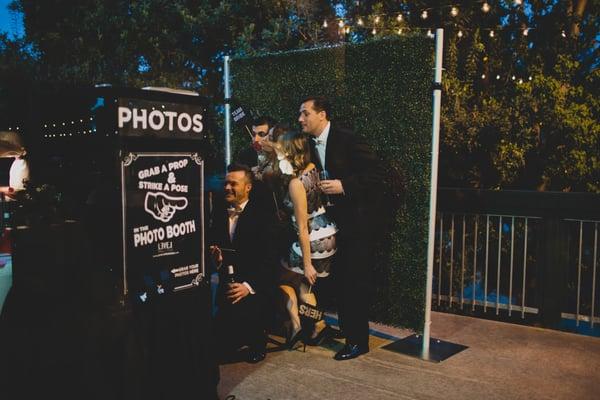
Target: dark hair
column 320, row 103
column 264, row 120
column 235, row 167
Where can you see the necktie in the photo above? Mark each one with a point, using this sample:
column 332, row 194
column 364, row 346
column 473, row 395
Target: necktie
column 234, row 211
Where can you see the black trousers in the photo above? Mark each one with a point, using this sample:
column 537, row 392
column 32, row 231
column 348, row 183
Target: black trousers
column 353, row 280
column 240, row 324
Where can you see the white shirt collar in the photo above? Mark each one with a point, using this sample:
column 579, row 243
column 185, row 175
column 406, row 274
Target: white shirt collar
column 243, row 205
column 325, row 134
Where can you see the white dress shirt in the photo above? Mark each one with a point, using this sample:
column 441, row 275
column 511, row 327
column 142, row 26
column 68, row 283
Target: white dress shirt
column 321, row 144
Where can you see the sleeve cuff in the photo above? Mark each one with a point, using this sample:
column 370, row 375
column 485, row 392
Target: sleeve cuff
column 249, row 287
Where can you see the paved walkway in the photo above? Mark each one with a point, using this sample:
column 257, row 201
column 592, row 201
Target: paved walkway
column 503, row 361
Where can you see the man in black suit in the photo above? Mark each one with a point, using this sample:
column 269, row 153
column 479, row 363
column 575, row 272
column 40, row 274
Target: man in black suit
column 240, row 237
column 353, row 188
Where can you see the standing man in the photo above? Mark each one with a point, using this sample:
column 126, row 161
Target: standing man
column 240, row 237
column 353, row 188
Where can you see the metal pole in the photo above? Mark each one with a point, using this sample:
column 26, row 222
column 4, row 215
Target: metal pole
column 227, row 111
column 437, row 100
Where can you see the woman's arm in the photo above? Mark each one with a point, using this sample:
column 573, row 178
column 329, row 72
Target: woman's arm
column 298, row 197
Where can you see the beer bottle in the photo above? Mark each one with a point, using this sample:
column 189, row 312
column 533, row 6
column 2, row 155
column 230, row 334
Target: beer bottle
column 230, row 274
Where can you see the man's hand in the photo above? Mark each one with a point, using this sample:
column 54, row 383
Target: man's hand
column 237, row 292
column 332, row 186
column 216, row 253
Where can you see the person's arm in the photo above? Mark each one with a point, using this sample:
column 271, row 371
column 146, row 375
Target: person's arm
column 298, row 197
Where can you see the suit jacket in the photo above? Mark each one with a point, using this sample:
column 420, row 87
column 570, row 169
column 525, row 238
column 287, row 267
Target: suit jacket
column 253, row 259
column 350, row 159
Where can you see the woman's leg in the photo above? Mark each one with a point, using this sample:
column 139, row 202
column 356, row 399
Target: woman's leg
column 292, row 308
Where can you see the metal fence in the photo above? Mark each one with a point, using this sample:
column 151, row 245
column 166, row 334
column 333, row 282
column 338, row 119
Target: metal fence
column 527, row 256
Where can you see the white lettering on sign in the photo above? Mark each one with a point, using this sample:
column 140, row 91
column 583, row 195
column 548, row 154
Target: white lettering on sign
column 143, row 236
column 157, row 120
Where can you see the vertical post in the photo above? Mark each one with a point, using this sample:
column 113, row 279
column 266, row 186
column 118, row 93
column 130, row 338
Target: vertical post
column 435, row 135
column 227, row 111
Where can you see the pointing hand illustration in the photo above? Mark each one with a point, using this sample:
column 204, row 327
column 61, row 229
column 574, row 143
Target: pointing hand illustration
column 163, row 207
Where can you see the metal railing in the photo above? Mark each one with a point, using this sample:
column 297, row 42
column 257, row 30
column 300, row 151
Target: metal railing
column 524, row 255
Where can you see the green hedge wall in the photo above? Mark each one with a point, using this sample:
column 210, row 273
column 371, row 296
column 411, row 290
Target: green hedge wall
column 382, row 90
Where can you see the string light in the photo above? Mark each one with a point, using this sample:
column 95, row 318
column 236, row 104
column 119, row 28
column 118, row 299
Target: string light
column 374, row 31
column 325, row 24
column 377, row 19
column 485, row 7
column 459, row 34
column 341, row 23
column 399, row 18
column 454, row 11
column 513, row 77
column 525, row 31
column 399, row 31
column 360, row 22
column 482, row 76
column 563, row 34
column 530, row 78
column 497, row 77
column 347, row 30
column 492, row 34
column 430, row 34
column 518, row 2
column 424, row 15
column 520, row 81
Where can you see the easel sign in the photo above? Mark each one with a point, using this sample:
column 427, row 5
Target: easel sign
column 163, row 223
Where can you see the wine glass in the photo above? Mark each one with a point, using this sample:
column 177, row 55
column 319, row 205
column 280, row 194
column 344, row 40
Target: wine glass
column 324, row 175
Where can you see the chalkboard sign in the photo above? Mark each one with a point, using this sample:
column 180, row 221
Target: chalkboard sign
column 163, row 223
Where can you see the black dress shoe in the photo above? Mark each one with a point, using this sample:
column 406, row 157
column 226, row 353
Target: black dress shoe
column 350, row 351
column 256, row 356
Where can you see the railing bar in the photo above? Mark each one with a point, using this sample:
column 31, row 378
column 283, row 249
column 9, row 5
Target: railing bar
column 512, row 215
column 512, row 258
column 462, row 262
column 487, row 245
column 440, row 261
column 584, row 318
column 579, row 271
column 594, row 273
column 451, row 258
column 475, row 259
column 524, row 268
column 593, row 221
column 504, row 306
column 498, row 267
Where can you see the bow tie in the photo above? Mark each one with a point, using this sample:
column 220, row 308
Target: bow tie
column 234, row 211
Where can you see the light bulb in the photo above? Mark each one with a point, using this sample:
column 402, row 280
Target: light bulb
column 424, row 14
column 485, row 7
column 454, row 11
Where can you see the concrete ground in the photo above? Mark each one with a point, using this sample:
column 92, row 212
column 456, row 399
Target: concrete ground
column 503, row 361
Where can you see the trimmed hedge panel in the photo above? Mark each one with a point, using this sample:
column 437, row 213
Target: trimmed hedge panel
column 382, row 90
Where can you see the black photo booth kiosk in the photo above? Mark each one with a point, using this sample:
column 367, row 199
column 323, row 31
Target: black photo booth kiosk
column 131, row 166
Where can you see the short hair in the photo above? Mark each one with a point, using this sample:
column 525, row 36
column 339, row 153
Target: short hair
column 320, row 103
column 235, row 167
column 263, row 120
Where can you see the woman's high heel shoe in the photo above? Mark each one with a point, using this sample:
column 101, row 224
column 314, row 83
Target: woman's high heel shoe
column 325, row 334
column 291, row 341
